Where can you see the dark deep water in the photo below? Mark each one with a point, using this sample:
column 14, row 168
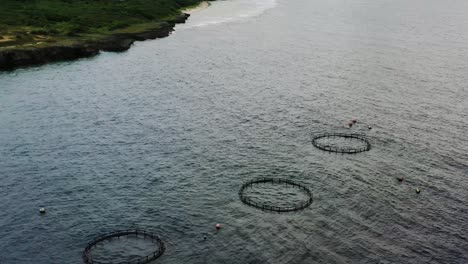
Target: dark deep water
column 163, row 136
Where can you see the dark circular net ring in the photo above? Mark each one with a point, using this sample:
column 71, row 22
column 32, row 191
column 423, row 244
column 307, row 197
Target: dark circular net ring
column 296, row 207
column 87, row 257
column 366, row 146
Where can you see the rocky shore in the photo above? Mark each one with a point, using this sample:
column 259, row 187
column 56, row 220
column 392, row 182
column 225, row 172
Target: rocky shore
column 15, row 58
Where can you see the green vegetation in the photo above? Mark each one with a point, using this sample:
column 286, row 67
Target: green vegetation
column 38, row 22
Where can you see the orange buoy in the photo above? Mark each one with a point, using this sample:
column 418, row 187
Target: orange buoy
column 218, row 226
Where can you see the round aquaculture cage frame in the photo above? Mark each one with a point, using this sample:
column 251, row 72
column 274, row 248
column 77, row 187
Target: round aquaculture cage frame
column 343, row 150
column 297, row 207
column 88, row 259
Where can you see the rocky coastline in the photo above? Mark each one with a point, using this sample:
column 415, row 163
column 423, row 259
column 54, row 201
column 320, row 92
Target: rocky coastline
column 15, row 58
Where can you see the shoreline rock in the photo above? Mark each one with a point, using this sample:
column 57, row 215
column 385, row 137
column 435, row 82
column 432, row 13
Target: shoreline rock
column 12, row 59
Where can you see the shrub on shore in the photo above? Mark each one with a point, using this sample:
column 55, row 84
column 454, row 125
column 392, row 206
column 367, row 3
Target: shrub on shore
column 74, row 17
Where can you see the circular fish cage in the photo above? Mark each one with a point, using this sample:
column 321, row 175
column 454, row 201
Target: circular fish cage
column 156, row 253
column 297, row 206
column 341, row 142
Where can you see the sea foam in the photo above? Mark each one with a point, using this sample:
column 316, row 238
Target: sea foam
column 228, row 11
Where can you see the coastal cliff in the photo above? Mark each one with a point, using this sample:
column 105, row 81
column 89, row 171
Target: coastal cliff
column 21, row 57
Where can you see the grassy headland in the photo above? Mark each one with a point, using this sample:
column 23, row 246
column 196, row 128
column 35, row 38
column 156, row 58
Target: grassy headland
column 41, row 31
column 36, row 22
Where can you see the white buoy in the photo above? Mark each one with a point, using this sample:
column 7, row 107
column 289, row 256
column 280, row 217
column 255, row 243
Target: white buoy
column 42, row 210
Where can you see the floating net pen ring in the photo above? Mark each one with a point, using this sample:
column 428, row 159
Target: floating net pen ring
column 296, row 207
column 362, row 139
column 88, row 259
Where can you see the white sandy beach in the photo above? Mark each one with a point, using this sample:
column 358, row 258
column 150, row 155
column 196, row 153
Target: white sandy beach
column 197, row 8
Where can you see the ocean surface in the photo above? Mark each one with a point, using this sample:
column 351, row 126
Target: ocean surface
column 162, row 137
